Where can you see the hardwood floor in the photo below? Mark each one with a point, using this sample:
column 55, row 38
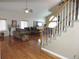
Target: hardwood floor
column 12, row 49
column 0, row 50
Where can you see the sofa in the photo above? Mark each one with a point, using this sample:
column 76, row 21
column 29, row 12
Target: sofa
column 24, row 34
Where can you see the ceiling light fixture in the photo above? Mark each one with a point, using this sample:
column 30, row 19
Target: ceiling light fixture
column 27, row 10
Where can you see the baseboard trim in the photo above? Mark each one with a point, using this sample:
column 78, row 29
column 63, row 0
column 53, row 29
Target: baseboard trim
column 52, row 53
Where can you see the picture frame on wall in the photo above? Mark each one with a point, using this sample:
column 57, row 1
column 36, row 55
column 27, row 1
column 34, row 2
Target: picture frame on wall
column 14, row 23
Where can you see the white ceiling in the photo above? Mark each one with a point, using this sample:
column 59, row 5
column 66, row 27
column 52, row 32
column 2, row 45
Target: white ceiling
column 40, row 7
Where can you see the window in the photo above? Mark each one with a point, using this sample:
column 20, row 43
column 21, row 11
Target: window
column 23, row 24
column 3, row 25
column 53, row 18
column 39, row 24
column 52, row 24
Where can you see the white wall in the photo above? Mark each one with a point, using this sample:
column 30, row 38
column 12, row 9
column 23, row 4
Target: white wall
column 67, row 44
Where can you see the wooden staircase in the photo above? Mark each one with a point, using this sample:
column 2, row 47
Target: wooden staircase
column 66, row 14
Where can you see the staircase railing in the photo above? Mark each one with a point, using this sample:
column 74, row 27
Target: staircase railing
column 62, row 18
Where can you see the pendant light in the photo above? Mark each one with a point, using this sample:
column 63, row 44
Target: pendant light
column 27, row 9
